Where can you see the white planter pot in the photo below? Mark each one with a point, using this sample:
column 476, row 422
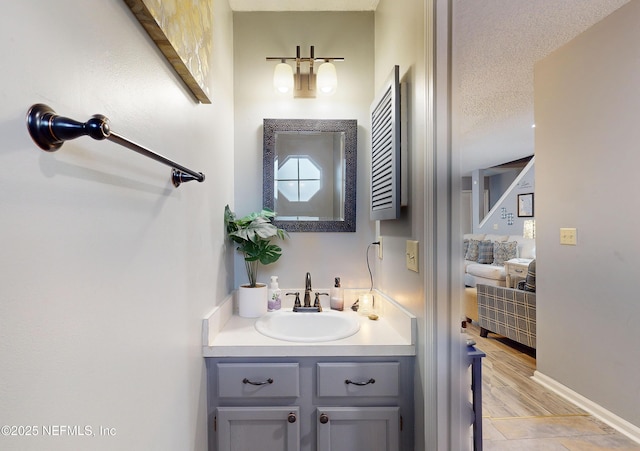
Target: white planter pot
column 252, row 302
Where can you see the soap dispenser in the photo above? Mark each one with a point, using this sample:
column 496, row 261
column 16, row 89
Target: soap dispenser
column 273, row 294
column 336, row 300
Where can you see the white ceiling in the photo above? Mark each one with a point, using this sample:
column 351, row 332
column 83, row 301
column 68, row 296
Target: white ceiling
column 303, row 5
column 496, row 43
column 495, row 46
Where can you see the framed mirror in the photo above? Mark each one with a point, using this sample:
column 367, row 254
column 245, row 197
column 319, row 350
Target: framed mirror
column 309, row 174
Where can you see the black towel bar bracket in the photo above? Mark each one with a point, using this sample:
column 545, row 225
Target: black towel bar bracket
column 49, row 131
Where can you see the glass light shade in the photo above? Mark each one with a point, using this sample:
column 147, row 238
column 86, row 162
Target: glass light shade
column 283, row 78
column 529, row 229
column 327, row 79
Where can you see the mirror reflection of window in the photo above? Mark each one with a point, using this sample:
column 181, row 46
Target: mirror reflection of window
column 305, row 175
column 298, row 179
column 309, row 173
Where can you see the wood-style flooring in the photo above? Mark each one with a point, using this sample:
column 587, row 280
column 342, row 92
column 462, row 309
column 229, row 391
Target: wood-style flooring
column 519, row 414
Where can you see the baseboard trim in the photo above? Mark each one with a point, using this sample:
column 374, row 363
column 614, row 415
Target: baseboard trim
column 620, row 424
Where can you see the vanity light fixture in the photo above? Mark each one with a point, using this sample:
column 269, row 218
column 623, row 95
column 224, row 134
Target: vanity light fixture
column 305, row 85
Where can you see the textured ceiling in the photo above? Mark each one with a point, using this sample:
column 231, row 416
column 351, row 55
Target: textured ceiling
column 303, row 5
column 496, row 43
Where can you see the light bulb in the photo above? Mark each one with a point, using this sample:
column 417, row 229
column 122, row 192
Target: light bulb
column 327, row 80
column 283, row 78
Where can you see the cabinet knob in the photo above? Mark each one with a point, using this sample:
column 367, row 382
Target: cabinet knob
column 292, row 417
column 324, row 418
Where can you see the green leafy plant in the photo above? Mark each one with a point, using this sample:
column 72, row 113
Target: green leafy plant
column 253, row 234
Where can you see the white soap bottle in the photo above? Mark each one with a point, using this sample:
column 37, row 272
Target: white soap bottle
column 336, row 299
column 273, row 294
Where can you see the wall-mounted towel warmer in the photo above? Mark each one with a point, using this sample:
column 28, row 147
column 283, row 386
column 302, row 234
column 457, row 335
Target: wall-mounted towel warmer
column 49, row 131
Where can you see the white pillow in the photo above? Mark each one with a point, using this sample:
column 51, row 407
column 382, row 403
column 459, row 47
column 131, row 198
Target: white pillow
column 526, row 246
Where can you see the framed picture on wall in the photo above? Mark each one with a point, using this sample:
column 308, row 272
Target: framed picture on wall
column 525, row 205
column 183, row 33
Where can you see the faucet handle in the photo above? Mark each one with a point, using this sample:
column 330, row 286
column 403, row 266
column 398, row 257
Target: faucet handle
column 316, row 302
column 296, row 303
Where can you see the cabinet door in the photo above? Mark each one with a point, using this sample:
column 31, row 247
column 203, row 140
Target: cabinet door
column 258, row 428
column 358, row 428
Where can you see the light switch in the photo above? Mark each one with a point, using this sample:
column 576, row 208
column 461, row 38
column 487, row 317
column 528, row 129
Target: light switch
column 568, row 236
column 412, row 255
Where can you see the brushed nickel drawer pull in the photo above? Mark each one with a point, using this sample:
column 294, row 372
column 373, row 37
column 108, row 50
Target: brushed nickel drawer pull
column 370, row 381
column 247, row 381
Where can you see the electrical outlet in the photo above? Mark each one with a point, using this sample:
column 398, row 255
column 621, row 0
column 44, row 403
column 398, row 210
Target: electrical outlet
column 380, row 247
column 568, row 236
column 412, row 255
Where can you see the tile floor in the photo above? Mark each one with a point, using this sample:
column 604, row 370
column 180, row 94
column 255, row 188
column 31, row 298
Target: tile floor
column 519, row 414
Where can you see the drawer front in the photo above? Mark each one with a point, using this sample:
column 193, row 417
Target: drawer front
column 258, row 380
column 358, row 379
column 518, row 271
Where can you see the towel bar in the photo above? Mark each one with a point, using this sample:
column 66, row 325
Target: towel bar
column 49, row 131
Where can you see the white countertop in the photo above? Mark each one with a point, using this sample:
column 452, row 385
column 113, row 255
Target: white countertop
column 226, row 334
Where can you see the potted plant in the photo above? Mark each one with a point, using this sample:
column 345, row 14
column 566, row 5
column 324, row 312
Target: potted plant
column 253, row 234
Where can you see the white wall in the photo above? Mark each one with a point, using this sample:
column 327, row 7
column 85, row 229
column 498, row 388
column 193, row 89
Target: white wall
column 106, row 269
column 494, row 223
column 406, row 35
column 587, row 134
column 399, row 41
column 345, row 34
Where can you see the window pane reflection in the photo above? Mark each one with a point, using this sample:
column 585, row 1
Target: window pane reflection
column 298, row 179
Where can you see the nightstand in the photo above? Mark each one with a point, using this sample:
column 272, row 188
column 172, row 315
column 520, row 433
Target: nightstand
column 515, row 269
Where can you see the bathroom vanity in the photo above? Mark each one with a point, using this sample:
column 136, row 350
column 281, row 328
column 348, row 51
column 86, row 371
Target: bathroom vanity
column 354, row 393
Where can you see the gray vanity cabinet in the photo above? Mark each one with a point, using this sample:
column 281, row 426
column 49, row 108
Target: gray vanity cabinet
column 311, row 403
column 260, row 425
column 259, row 428
column 358, row 428
column 365, row 427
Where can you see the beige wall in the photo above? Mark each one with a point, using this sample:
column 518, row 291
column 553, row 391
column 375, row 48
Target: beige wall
column 106, row 269
column 345, row 34
column 586, row 111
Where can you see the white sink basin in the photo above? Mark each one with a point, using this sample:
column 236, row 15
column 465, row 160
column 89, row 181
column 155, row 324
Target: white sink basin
column 306, row 327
